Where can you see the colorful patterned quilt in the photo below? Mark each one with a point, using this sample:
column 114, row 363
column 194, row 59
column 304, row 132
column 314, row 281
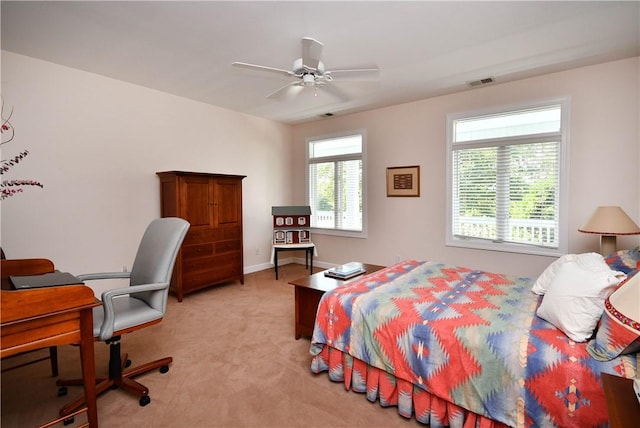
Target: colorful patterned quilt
column 468, row 337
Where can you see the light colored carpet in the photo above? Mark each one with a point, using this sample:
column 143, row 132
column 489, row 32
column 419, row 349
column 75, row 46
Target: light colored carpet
column 235, row 364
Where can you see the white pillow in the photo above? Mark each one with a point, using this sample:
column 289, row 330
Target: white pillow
column 574, row 300
column 542, row 283
column 591, row 261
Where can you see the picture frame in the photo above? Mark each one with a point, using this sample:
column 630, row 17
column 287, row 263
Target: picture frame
column 403, row 181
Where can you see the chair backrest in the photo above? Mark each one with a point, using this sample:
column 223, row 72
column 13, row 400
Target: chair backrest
column 156, row 258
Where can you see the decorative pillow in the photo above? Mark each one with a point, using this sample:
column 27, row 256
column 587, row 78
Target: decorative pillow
column 627, row 261
column 591, row 261
column 544, row 280
column 618, row 333
column 574, row 301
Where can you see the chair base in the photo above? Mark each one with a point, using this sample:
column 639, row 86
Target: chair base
column 119, row 377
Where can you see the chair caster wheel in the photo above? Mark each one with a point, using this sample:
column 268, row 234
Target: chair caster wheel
column 144, row 400
column 68, row 421
column 164, row 369
column 62, row 391
column 127, row 363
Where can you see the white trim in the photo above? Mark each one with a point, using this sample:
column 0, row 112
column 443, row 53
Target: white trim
column 340, row 232
column 563, row 167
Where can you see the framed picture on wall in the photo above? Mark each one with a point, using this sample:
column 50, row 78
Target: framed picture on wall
column 403, row 181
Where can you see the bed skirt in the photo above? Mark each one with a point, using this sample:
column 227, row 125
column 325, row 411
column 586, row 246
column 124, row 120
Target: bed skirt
column 410, row 399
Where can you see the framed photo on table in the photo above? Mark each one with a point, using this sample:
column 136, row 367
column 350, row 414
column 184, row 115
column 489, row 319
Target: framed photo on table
column 403, row 181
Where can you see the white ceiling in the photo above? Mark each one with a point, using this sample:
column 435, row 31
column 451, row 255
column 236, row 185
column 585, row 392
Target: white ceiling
column 423, row 48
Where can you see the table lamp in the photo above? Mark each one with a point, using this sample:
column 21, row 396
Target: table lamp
column 608, row 222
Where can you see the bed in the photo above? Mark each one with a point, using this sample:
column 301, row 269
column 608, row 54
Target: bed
column 453, row 346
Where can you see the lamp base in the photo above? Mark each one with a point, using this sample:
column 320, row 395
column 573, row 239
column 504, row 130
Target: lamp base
column 607, row 244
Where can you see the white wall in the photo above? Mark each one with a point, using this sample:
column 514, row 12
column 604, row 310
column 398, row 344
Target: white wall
column 96, row 144
column 604, row 154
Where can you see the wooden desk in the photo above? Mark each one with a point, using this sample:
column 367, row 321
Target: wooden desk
column 22, row 267
column 43, row 317
column 308, row 292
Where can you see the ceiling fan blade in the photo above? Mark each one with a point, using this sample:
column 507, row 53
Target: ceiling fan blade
column 288, row 91
column 311, row 52
column 355, row 74
column 334, row 91
column 310, row 73
column 263, row 68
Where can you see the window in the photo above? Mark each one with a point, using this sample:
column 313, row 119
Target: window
column 335, row 187
column 506, row 179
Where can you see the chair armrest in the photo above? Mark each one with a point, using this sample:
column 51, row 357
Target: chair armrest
column 108, row 296
column 21, row 267
column 103, row 275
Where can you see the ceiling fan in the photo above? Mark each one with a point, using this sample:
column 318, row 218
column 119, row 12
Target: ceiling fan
column 309, row 72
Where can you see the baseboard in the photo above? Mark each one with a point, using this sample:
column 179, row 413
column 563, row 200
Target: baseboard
column 285, row 261
column 257, row 268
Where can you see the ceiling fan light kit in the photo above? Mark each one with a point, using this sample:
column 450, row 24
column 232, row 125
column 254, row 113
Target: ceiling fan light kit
column 308, row 79
column 309, row 71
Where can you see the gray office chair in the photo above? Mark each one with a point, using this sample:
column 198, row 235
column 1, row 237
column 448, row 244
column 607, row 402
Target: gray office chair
column 141, row 304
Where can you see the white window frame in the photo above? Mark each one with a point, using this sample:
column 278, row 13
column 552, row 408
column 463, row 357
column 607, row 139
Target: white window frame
column 563, row 166
column 341, row 232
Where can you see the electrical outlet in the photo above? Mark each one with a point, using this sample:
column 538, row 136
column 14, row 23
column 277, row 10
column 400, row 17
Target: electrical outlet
column 124, row 268
column 398, row 258
column 257, row 251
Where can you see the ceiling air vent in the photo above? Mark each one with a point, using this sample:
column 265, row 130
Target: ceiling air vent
column 481, row 82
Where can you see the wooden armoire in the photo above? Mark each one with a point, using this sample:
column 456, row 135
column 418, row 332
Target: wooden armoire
column 212, row 250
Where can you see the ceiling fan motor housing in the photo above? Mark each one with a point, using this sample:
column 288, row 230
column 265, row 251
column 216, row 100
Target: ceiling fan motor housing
column 300, row 69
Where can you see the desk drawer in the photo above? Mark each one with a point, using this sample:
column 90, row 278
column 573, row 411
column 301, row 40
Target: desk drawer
column 40, row 333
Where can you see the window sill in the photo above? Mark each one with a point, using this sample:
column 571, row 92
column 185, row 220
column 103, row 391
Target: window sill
column 335, row 232
column 502, row 247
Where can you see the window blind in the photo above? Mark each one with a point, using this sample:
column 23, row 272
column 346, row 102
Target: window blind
column 506, row 178
column 335, row 182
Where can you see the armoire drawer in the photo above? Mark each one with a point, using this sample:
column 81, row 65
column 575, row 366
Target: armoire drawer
column 209, row 263
column 228, row 246
column 233, row 232
column 197, row 251
column 215, row 274
column 202, row 236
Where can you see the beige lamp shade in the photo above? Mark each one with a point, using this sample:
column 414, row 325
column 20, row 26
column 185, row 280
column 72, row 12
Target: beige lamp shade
column 609, row 221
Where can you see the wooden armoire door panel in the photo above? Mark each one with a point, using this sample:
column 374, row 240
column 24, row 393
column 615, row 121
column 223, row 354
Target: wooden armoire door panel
column 197, row 203
column 229, row 212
